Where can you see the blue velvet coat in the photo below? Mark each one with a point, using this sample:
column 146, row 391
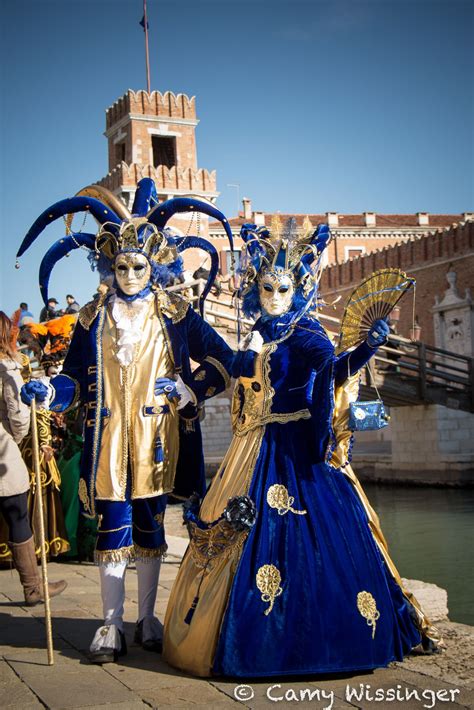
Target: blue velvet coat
column 82, row 378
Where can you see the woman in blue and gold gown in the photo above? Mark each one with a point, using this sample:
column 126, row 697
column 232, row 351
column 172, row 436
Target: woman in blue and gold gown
column 287, row 571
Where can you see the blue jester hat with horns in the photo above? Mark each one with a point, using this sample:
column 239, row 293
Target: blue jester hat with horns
column 143, row 230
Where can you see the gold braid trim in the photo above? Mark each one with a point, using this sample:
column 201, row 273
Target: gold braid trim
column 220, row 368
column 269, row 418
column 148, row 532
column 98, row 419
column 125, row 396
column 144, row 553
column 100, row 531
column 110, row 557
column 159, row 312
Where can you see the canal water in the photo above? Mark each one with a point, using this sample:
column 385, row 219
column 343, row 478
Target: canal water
column 430, row 537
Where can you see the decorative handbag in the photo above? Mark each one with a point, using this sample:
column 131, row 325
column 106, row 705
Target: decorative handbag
column 368, row 416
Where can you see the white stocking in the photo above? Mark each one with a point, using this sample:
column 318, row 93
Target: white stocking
column 148, row 573
column 112, row 587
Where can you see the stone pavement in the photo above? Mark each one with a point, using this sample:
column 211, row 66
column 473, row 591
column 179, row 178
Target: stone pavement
column 144, row 680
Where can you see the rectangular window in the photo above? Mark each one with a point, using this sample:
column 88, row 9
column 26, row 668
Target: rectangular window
column 164, row 151
column 119, row 153
column 351, row 252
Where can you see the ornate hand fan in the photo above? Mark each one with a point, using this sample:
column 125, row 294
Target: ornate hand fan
column 374, row 298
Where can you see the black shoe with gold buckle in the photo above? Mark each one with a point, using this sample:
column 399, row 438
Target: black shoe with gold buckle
column 108, row 644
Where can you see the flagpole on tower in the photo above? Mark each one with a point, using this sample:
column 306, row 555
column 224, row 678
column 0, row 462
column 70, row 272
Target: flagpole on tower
column 145, row 27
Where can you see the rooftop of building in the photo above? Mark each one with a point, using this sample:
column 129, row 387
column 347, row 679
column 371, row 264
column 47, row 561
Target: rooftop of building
column 365, row 219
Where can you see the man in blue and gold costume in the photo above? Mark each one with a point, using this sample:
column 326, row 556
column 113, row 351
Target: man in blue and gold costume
column 129, row 365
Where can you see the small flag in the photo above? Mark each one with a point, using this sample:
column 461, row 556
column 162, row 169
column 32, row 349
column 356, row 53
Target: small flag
column 142, row 23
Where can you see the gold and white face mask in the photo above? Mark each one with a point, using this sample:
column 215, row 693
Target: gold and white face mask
column 276, row 290
column 132, row 272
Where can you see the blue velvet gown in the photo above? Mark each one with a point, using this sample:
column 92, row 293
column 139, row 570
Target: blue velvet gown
column 309, row 591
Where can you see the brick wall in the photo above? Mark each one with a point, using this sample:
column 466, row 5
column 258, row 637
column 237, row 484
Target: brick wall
column 427, row 258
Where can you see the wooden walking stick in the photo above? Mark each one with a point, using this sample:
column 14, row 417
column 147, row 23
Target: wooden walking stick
column 44, row 566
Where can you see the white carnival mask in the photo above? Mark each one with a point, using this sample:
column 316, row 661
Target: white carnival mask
column 276, row 290
column 132, row 272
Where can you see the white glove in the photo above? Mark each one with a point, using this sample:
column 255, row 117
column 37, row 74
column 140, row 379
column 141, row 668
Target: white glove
column 185, row 394
column 253, row 341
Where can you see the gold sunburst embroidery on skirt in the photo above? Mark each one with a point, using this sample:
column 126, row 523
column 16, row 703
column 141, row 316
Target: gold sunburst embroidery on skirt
column 268, row 582
column 368, row 608
column 279, row 498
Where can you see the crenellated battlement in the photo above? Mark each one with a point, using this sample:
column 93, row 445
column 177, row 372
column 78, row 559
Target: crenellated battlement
column 174, row 178
column 441, row 244
column 168, row 105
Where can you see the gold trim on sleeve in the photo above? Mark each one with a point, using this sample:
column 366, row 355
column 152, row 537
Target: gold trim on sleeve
column 112, row 530
column 220, row 368
column 279, row 498
column 368, row 609
column 268, row 580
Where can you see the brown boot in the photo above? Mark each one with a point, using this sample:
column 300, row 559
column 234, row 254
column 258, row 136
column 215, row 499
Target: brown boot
column 25, row 561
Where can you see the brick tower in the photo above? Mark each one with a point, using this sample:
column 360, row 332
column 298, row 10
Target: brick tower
column 153, row 135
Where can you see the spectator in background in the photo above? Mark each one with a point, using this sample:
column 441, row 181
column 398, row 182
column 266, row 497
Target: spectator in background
column 14, row 476
column 25, row 313
column 72, row 305
column 49, row 311
column 17, row 321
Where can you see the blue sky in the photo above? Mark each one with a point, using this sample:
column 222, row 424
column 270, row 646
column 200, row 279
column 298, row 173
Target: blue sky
column 309, row 106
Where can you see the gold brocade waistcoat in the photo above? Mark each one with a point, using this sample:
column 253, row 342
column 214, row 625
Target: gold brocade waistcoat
column 134, row 420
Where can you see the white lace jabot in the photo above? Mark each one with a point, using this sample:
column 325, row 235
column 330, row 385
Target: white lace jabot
column 129, row 317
